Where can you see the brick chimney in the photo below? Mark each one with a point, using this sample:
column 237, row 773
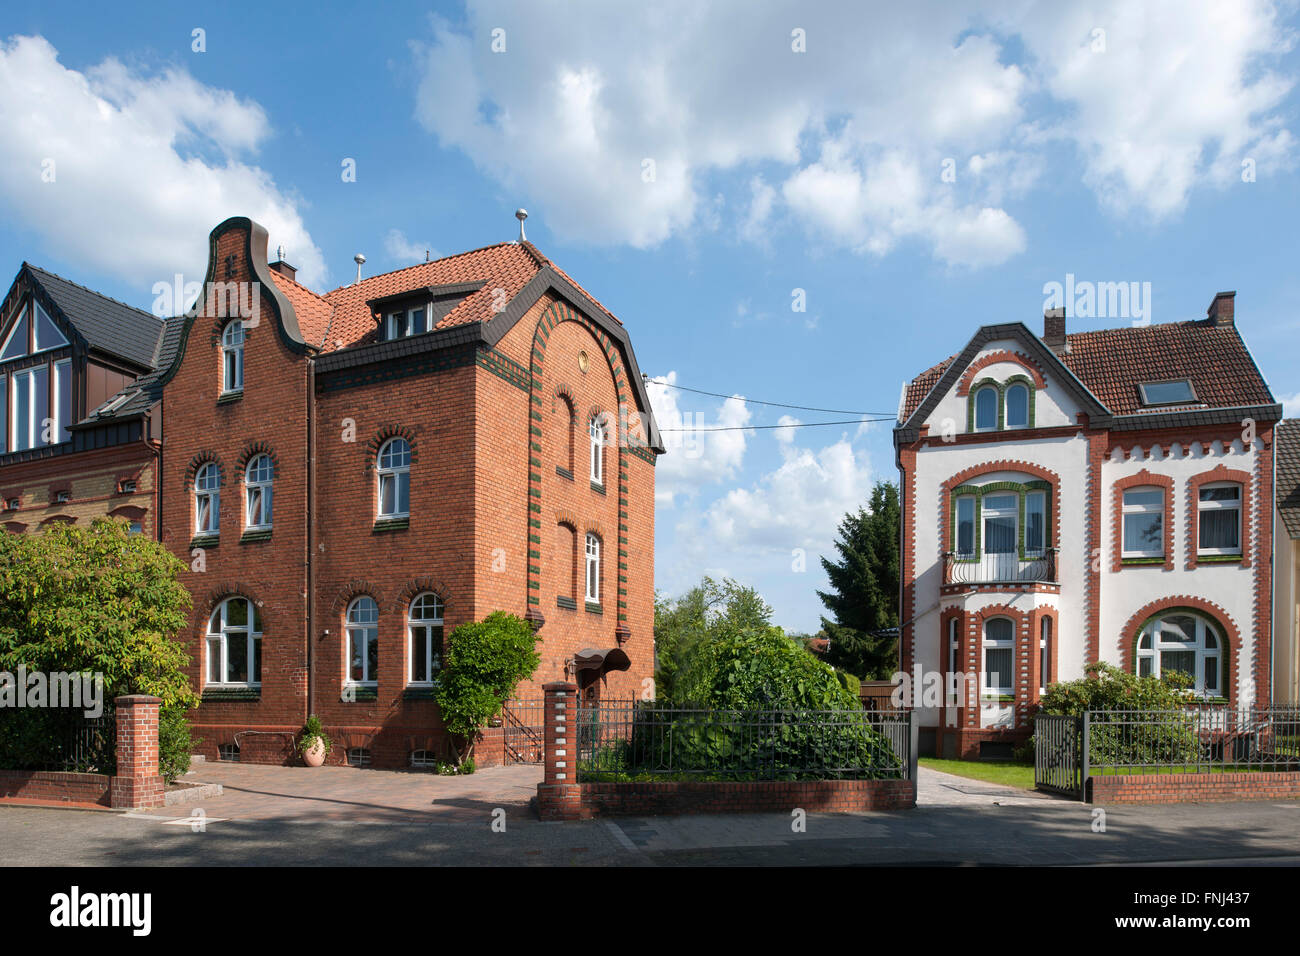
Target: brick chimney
column 285, row 269
column 1220, row 310
column 1054, row 329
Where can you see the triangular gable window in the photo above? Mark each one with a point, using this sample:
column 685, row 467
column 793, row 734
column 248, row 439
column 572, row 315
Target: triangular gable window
column 16, row 345
column 48, row 335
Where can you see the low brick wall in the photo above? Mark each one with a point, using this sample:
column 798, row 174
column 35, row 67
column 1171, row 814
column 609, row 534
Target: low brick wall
column 581, row 801
column 52, row 785
column 1194, row 787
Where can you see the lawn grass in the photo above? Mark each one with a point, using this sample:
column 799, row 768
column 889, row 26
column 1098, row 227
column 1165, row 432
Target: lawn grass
column 1006, row 772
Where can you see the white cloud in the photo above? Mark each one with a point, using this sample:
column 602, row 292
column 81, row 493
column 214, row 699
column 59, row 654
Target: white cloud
column 143, row 165
column 798, row 505
column 695, row 456
column 402, row 250
column 1290, row 405
column 848, row 139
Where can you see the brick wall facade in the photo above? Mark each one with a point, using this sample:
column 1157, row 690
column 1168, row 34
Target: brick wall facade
column 487, row 435
column 1194, row 787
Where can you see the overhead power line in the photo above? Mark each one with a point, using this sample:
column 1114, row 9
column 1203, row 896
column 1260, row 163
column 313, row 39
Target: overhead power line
column 745, row 428
column 888, row 416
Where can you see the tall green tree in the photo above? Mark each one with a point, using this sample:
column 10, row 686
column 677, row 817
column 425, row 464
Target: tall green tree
column 684, row 626
column 864, row 582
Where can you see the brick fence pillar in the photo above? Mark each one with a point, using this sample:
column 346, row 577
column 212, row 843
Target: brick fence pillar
column 558, row 793
column 137, row 785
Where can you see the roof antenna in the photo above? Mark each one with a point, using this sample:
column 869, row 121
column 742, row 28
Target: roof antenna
column 279, row 253
column 521, row 215
column 426, row 255
column 358, row 259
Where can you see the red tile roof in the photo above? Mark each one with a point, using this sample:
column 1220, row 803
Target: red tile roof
column 340, row 318
column 1111, row 363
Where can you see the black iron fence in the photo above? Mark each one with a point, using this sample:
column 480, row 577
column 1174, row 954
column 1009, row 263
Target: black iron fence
column 60, row 739
column 647, row 740
column 523, row 724
column 1200, row 738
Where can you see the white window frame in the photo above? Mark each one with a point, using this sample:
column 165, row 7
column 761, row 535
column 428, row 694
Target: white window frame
column 432, row 659
column 592, row 569
column 37, row 312
column 361, row 621
column 1157, row 509
column 207, row 487
column 259, row 497
column 1032, row 551
column 597, row 436
column 1006, row 689
column 397, row 472
column 220, row 633
column 975, row 418
column 232, row 357
column 28, row 336
column 1006, row 405
column 1011, row 511
column 1204, row 506
column 974, row 527
column 954, row 661
column 1207, row 644
column 390, row 322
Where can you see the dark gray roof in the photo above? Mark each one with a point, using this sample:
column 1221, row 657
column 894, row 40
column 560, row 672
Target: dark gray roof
column 142, row 394
column 1287, row 453
column 106, row 324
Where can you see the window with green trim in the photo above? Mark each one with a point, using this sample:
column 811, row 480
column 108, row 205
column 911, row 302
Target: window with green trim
column 1001, row 517
column 986, row 408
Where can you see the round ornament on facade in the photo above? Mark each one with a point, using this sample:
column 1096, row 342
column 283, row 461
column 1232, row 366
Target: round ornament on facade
column 582, row 362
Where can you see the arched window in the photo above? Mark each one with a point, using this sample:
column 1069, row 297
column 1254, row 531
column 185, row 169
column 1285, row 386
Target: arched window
column 566, row 556
column 986, row 408
column 234, row 644
column 232, row 357
column 1185, row 643
column 1219, row 517
column 596, row 430
column 999, row 656
column 363, row 641
column 424, row 634
column 568, row 424
column 593, row 569
column 1017, row 406
column 207, row 499
column 258, row 479
column 395, row 479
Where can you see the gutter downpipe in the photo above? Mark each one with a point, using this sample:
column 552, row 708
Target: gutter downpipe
column 310, row 541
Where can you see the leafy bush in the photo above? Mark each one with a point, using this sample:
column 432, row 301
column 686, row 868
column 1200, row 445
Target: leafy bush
column 1168, row 737
column 759, row 699
column 485, row 661
column 312, row 731
column 175, row 743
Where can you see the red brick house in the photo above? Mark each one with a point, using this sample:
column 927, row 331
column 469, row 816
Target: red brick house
column 1072, row 498
column 65, row 353
column 348, row 476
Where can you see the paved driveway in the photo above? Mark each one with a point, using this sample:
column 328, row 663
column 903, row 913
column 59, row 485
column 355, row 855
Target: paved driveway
column 259, row 792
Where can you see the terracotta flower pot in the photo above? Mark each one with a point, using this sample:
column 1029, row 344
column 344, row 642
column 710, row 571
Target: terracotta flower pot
column 314, row 755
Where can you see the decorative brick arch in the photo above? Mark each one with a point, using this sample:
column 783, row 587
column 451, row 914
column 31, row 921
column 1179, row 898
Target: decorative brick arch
column 219, row 593
column 417, row 586
column 1219, row 473
column 1227, row 628
column 254, row 448
column 993, row 358
column 555, row 314
column 1142, row 479
column 200, row 459
column 384, row 435
column 1023, row 636
column 992, row 467
column 350, row 592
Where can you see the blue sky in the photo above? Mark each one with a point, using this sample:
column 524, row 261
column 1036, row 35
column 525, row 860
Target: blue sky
column 1104, row 140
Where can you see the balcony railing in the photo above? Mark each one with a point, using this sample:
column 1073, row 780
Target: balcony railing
column 1000, row 568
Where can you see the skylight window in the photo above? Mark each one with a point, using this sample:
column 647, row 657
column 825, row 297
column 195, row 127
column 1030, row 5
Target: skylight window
column 1178, row 392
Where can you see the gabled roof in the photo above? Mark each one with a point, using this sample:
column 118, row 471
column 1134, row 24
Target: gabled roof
column 1287, row 455
column 1108, row 365
column 105, row 324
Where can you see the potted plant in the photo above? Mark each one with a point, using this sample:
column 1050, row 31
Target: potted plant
column 314, row 745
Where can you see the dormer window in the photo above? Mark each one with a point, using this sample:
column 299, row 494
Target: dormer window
column 13, row 504
column 1177, row 392
column 62, row 497
column 406, row 322
column 126, row 486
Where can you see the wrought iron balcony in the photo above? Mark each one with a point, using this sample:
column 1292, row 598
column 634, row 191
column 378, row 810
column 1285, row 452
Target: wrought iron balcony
column 1035, row 566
